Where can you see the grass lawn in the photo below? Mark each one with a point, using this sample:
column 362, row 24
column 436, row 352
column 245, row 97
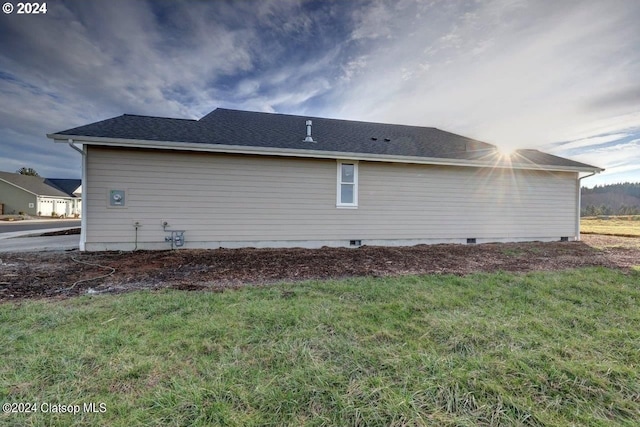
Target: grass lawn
column 614, row 225
column 550, row 348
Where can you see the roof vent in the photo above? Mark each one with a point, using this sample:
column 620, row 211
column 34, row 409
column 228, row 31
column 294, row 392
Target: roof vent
column 309, row 138
column 387, row 140
column 373, row 138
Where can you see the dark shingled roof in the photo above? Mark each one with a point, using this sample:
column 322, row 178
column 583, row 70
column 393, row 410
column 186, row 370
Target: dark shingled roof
column 33, row 184
column 282, row 131
column 65, row 185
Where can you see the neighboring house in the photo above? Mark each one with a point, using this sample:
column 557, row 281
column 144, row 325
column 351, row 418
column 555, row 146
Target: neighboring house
column 243, row 179
column 36, row 196
column 72, row 187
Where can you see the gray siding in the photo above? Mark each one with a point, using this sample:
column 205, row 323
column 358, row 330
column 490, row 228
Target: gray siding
column 16, row 200
column 234, row 200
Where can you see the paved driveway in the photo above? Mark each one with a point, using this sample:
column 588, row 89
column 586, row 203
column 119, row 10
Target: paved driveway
column 39, row 244
column 14, row 226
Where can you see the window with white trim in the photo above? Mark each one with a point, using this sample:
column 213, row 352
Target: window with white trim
column 347, row 190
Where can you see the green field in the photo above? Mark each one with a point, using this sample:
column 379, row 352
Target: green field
column 552, row 348
column 612, row 225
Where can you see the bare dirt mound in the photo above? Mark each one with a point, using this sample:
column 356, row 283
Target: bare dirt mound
column 64, row 274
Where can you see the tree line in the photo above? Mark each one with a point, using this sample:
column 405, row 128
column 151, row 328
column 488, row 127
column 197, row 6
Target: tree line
column 611, row 199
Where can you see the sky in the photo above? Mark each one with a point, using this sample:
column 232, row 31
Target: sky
column 557, row 76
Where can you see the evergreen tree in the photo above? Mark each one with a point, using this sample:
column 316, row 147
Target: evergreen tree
column 27, row 171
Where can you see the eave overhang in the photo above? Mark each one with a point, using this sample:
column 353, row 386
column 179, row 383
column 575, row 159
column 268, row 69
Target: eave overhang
column 318, row 154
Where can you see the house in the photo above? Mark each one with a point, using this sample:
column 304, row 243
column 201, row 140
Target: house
column 37, row 196
column 247, row 179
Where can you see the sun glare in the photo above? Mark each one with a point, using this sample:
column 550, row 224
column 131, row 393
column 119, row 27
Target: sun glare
column 505, row 151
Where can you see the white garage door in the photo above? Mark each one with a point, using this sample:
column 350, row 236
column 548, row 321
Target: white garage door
column 59, row 206
column 45, row 207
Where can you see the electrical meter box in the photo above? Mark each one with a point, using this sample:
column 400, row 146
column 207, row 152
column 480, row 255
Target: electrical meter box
column 178, row 238
column 116, row 198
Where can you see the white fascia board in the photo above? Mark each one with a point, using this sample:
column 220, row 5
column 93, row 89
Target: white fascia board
column 288, row 152
column 57, row 198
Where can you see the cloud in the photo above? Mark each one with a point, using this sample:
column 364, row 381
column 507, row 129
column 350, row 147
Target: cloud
column 353, row 68
column 614, row 175
column 518, row 73
column 372, row 22
column 623, row 97
column 612, row 123
column 514, row 73
column 590, row 142
column 619, row 160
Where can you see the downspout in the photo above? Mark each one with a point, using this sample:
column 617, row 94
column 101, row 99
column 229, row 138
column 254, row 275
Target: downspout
column 579, row 197
column 83, row 215
column 71, row 144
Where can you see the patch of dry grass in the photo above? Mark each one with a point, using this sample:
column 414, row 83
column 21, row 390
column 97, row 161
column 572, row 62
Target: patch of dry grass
column 613, row 225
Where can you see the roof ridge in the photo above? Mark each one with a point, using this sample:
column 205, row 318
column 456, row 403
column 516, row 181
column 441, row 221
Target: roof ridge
column 309, row 117
column 157, row 117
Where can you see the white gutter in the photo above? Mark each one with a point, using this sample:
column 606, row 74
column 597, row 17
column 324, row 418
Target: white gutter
column 319, row 154
column 72, row 145
column 579, row 198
